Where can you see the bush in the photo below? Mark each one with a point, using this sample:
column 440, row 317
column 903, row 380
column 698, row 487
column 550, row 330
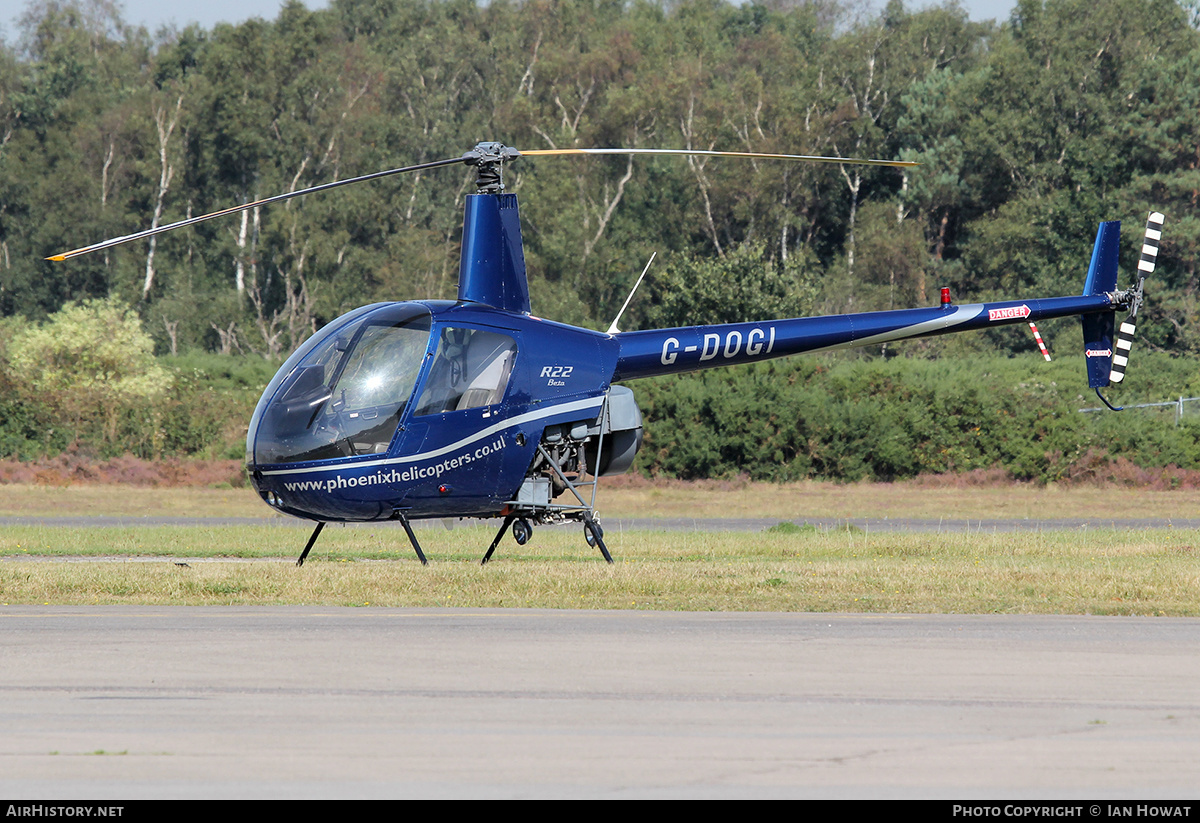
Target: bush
column 845, row 419
column 89, row 364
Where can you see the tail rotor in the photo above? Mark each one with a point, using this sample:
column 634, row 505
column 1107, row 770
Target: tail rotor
column 1125, row 334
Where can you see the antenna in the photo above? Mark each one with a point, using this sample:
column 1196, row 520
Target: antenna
column 612, row 327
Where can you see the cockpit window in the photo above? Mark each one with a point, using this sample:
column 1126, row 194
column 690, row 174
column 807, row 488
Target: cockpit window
column 471, row 369
column 346, row 396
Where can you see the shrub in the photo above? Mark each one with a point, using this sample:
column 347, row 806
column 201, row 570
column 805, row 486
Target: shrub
column 88, row 364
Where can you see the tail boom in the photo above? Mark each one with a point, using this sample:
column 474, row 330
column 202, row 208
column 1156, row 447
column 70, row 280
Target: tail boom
column 671, row 351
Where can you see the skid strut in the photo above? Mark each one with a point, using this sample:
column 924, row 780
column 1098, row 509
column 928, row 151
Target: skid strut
column 591, row 529
column 311, row 540
column 500, row 534
column 515, row 519
column 595, row 535
column 412, row 538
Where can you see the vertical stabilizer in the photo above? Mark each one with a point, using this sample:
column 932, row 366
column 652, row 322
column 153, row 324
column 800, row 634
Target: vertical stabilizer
column 1098, row 328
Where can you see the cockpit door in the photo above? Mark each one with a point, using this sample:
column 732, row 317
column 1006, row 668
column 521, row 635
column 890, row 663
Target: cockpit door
column 457, row 445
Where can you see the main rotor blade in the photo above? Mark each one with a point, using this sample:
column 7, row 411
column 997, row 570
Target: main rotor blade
column 811, row 158
column 128, row 238
column 116, row 241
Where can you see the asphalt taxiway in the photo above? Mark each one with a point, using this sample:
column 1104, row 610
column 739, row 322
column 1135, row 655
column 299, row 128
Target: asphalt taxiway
column 296, row 702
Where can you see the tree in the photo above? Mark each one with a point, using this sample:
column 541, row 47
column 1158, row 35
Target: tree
column 745, row 285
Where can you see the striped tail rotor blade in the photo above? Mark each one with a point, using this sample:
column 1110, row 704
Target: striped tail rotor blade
column 1150, row 244
column 1125, row 334
column 1120, row 361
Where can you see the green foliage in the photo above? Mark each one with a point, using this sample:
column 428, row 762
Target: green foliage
column 206, row 413
column 88, row 362
column 742, row 286
column 1028, row 134
column 87, row 380
column 884, row 420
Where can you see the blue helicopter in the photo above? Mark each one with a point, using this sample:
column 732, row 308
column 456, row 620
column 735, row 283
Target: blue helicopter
column 475, row 407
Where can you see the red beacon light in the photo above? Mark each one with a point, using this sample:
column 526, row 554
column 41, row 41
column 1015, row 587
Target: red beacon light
column 945, row 296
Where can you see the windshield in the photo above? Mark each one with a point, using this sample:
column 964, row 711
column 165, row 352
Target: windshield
column 345, row 396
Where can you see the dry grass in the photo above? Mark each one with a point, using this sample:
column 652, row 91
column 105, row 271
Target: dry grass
column 1095, row 572
column 636, row 497
column 1077, row 572
column 907, row 499
column 32, row 500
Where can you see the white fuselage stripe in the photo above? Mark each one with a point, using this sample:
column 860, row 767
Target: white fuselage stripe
column 959, row 315
column 508, row 422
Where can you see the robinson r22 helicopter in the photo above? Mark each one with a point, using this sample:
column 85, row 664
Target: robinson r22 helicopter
column 476, row 408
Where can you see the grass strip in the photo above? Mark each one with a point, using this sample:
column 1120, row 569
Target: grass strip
column 1096, row 571
column 637, row 497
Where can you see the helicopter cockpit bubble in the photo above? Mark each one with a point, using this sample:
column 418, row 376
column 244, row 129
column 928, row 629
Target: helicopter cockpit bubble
column 343, row 393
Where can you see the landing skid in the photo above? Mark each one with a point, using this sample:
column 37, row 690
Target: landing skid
column 517, row 520
column 518, row 514
column 592, row 532
column 412, row 538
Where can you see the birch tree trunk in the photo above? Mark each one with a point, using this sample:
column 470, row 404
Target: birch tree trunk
column 165, row 129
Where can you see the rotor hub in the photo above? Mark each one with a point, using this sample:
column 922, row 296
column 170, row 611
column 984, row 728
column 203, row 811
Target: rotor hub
column 489, row 160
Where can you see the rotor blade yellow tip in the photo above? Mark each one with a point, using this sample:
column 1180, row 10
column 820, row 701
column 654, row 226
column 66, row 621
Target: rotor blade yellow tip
column 58, row 258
